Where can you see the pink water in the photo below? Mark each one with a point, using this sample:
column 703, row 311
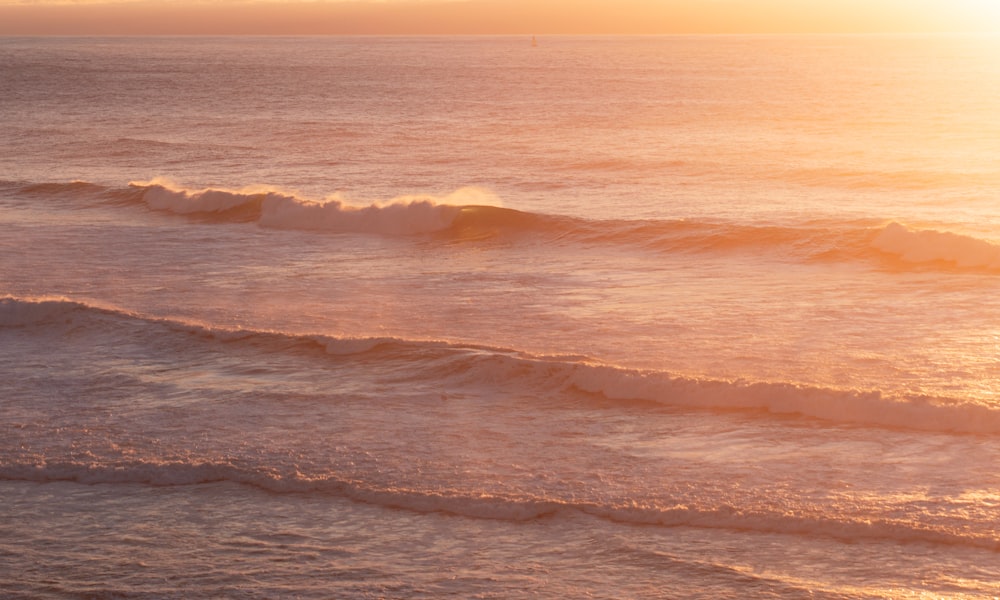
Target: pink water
column 429, row 317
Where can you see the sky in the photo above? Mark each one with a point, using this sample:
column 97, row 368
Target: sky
column 293, row 17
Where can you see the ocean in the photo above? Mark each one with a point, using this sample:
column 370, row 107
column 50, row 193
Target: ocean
column 460, row 317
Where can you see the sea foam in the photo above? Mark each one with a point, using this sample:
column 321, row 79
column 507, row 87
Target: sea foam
column 404, row 215
column 928, row 246
column 474, row 214
column 460, row 366
column 699, row 512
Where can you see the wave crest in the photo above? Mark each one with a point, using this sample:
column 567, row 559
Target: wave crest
column 470, row 214
column 466, row 366
column 931, row 246
column 679, row 512
column 22, row 312
column 404, row 215
column 185, row 202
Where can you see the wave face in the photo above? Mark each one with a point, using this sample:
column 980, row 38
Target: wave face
column 932, row 246
column 411, row 215
column 436, row 427
column 516, row 508
column 473, row 366
column 471, row 214
column 431, row 427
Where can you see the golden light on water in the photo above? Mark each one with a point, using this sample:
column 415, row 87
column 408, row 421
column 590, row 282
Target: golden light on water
column 22, row 17
column 737, row 330
column 987, row 11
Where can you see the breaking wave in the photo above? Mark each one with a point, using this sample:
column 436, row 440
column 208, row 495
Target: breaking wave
column 455, row 366
column 471, row 214
column 408, row 215
column 932, row 246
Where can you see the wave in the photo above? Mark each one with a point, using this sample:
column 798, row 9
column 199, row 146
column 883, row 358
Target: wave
column 932, row 246
column 463, row 366
column 472, row 214
column 72, row 194
column 681, row 512
column 465, row 209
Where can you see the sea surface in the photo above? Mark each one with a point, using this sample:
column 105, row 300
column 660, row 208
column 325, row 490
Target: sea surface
column 459, row 317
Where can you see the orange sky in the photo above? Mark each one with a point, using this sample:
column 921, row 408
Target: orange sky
column 26, row 17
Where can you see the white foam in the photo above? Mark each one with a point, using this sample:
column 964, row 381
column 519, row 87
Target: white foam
column 507, row 507
column 922, row 246
column 860, row 407
column 399, row 218
column 203, row 201
column 404, row 215
column 870, row 408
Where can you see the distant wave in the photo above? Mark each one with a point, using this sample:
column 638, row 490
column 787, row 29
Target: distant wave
column 16, row 312
column 459, row 366
column 681, row 512
column 408, row 215
column 472, row 214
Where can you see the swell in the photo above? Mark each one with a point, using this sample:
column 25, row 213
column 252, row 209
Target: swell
column 505, row 507
column 471, row 214
column 462, row 212
column 454, row 366
column 83, row 193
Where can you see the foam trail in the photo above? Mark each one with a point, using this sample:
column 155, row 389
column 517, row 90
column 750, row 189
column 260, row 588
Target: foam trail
column 868, row 408
column 679, row 512
column 466, row 366
column 927, row 246
column 473, row 214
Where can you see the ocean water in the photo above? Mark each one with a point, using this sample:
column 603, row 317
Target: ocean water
column 458, row 317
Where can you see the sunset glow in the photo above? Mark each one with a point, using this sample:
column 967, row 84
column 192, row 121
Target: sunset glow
column 493, row 16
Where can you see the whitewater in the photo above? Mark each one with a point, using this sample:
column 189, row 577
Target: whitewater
column 610, row 317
